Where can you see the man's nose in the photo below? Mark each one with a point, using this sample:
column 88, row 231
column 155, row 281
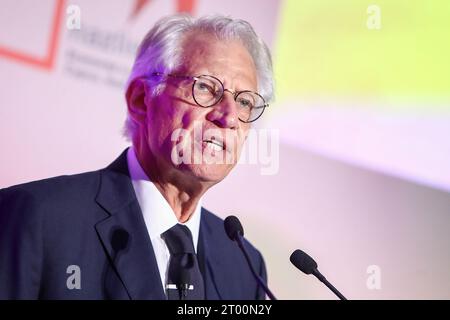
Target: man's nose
column 225, row 113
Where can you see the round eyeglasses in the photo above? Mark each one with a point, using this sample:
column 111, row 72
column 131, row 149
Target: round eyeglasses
column 207, row 91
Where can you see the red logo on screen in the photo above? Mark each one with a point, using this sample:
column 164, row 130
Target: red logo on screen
column 182, row 6
column 48, row 60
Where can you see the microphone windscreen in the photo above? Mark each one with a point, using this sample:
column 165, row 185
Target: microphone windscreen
column 233, row 227
column 303, row 261
column 119, row 240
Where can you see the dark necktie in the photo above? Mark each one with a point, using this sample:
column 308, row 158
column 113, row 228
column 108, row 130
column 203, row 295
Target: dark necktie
column 184, row 280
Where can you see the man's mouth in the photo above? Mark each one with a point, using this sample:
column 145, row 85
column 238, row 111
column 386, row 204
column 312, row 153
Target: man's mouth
column 215, row 144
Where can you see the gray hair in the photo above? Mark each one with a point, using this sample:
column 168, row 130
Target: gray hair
column 160, row 51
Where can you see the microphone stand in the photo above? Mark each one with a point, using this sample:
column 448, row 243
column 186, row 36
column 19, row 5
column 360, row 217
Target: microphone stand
column 322, row 279
column 257, row 277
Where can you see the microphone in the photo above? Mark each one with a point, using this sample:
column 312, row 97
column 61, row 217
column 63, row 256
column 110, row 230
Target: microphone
column 120, row 240
column 307, row 265
column 235, row 232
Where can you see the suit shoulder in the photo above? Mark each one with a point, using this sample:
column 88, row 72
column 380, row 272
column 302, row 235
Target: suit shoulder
column 49, row 197
column 56, row 203
column 46, row 188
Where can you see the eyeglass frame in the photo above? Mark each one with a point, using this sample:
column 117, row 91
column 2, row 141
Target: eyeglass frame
column 234, row 93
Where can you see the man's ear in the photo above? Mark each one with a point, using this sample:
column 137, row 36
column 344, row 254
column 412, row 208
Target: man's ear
column 136, row 99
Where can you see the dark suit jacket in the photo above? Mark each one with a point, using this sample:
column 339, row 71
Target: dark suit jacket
column 93, row 221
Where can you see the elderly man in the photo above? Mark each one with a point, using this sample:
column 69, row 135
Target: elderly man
column 136, row 229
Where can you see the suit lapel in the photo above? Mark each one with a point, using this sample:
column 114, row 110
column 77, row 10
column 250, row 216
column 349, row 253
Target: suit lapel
column 212, row 256
column 124, row 235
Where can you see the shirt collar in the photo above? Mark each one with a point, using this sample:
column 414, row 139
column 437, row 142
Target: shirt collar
column 158, row 215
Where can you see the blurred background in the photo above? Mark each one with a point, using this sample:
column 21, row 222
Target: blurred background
column 360, row 173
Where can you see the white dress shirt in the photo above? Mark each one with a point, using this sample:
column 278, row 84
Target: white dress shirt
column 158, row 215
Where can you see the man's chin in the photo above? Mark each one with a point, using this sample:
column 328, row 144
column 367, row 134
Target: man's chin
column 212, row 173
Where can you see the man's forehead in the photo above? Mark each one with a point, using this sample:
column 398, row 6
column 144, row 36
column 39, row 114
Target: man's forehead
column 196, row 38
column 206, row 53
column 201, row 44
